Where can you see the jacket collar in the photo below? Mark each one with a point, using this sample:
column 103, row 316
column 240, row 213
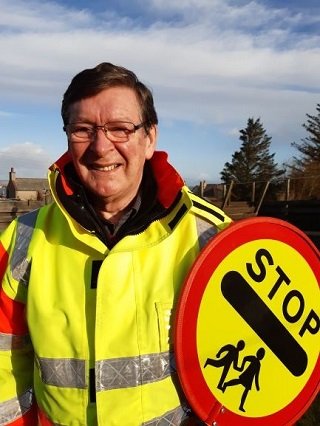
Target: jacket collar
column 160, row 191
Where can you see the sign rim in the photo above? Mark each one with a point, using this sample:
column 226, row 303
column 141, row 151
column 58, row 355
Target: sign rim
column 204, row 404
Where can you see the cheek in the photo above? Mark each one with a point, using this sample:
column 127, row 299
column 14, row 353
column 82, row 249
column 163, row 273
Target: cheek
column 76, row 153
column 130, row 154
column 144, row 150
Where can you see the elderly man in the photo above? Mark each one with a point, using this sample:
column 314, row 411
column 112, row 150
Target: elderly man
column 90, row 281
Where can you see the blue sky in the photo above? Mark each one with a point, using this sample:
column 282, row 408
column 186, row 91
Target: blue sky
column 211, row 64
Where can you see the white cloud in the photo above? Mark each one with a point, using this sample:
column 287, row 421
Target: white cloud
column 39, row 62
column 37, row 16
column 211, row 61
column 27, row 159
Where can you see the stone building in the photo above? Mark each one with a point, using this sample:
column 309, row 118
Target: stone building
column 27, row 188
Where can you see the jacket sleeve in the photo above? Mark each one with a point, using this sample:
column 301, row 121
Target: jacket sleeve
column 17, row 406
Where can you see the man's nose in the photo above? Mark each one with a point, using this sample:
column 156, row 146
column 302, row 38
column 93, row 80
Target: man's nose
column 101, row 141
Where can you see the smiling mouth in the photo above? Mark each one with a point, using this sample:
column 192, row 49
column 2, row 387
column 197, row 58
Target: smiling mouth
column 106, row 168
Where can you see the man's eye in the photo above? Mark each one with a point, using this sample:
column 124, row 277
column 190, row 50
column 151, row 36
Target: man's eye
column 119, row 129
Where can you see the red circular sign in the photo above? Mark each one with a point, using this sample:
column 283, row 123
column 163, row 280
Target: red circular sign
column 253, row 291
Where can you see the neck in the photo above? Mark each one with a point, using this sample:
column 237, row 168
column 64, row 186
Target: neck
column 113, row 215
column 112, row 210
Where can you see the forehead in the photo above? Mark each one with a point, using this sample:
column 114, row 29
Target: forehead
column 111, row 103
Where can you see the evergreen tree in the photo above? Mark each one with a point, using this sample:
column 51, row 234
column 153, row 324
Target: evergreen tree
column 309, row 147
column 304, row 169
column 252, row 162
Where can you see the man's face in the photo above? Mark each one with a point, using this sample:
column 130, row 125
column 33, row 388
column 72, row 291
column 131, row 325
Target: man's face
column 111, row 171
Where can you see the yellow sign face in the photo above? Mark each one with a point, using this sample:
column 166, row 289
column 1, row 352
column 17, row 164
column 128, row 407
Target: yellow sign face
column 260, row 355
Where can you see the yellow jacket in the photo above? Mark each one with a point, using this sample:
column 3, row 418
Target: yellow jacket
column 92, row 344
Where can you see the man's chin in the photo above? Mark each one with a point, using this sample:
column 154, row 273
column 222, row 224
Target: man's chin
column 104, row 192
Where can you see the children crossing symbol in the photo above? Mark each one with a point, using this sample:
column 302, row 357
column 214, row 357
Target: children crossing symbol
column 249, row 368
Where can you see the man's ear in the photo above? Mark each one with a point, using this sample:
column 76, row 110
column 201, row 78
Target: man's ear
column 151, row 143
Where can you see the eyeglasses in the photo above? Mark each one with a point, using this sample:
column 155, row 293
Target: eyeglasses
column 116, row 131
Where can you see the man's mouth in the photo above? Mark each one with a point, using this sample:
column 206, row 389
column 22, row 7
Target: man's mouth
column 105, row 168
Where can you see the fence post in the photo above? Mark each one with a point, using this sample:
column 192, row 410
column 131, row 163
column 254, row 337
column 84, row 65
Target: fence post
column 202, row 188
column 262, row 197
column 227, row 196
column 253, row 195
column 288, row 189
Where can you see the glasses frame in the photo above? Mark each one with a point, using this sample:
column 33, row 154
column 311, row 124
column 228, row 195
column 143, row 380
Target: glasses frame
column 104, row 128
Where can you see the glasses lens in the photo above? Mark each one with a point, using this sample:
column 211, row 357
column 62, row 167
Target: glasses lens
column 119, row 131
column 80, row 131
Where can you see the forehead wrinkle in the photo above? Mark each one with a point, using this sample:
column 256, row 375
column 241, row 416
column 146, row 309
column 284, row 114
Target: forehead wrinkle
column 112, row 104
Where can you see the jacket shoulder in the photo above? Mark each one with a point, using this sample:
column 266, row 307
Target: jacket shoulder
column 206, row 210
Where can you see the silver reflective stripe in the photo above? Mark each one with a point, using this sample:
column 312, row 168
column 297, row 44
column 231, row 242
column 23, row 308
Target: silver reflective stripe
column 62, row 372
column 206, row 231
column 15, row 408
column 20, row 266
column 13, row 341
column 132, row 371
column 171, row 418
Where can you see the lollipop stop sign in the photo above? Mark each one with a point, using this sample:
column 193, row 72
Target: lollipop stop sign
column 247, row 331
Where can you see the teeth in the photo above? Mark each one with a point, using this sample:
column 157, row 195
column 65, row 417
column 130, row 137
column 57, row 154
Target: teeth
column 107, row 168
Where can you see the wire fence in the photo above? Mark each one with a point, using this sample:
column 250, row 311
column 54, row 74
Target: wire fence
column 285, row 189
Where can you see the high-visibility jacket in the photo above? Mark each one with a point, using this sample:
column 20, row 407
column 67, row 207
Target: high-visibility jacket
column 85, row 329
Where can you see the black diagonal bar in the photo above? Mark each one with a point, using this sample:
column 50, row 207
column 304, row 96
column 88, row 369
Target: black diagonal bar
column 263, row 322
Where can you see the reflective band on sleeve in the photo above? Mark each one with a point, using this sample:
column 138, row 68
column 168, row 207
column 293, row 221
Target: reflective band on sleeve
column 15, row 408
column 131, row 372
column 65, row 373
column 211, row 209
column 13, row 341
column 171, row 418
column 19, row 264
column 206, row 231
